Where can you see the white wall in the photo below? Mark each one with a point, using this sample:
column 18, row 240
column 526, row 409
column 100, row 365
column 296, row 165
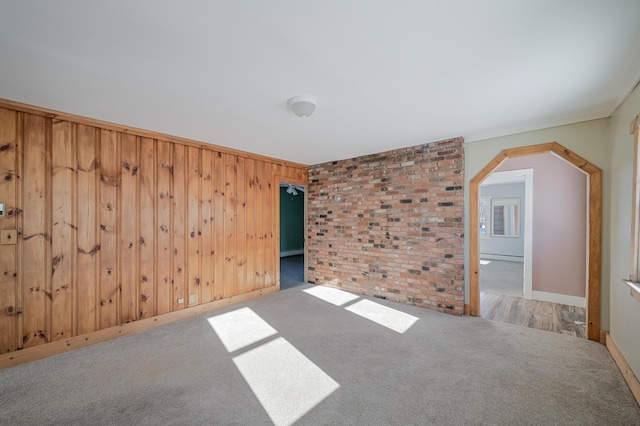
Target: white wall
column 624, row 310
column 589, row 140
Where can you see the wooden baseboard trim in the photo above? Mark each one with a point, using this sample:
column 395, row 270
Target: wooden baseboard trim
column 468, row 311
column 35, row 353
column 626, row 371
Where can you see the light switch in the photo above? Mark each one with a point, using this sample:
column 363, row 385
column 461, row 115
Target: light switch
column 8, row 236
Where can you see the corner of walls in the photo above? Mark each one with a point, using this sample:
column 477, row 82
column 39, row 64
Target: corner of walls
column 624, row 309
column 397, row 232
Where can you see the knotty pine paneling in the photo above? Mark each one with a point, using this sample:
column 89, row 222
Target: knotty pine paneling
column 88, row 229
column 8, row 259
column 164, row 226
column 241, row 227
column 194, row 232
column 36, row 239
column 218, row 233
column 230, row 211
column 206, row 226
column 109, row 179
column 63, row 233
column 146, row 244
column 260, row 228
column 179, row 226
column 128, row 227
column 250, row 223
column 271, row 256
column 115, row 227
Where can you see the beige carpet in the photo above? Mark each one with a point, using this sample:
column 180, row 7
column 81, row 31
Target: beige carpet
column 324, row 358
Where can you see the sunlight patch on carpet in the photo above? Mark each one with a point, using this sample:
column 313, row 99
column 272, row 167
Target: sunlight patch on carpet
column 331, row 295
column 388, row 317
column 286, row 382
column 240, row 328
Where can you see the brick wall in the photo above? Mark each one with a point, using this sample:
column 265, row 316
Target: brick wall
column 398, row 231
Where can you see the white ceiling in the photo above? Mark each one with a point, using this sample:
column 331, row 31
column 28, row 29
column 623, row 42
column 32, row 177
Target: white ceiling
column 387, row 74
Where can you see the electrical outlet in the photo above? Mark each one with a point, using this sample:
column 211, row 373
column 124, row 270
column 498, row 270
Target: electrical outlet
column 8, row 236
column 193, row 299
column 180, row 301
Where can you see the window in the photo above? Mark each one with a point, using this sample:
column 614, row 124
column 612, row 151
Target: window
column 505, row 217
column 634, row 275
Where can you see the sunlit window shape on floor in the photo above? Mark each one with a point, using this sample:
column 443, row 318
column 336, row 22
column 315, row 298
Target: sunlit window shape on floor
column 240, row 328
column 388, row 317
column 484, row 262
column 286, row 382
column 331, row 295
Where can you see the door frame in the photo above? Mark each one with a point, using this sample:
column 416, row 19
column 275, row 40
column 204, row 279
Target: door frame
column 305, row 183
column 594, row 262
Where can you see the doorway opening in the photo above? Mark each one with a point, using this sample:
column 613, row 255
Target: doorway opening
column 594, row 227
column 506, row 228
column 292, row 227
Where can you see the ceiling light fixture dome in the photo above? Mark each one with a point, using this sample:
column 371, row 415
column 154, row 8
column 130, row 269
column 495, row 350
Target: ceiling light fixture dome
column 302, row 106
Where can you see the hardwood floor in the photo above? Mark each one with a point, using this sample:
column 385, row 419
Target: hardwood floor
column 533, row 314
column 501, row 299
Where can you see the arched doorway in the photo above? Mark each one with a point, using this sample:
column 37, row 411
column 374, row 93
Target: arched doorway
column 595, row 227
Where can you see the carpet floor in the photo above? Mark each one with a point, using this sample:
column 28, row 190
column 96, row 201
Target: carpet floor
column 312, row 356
column 291, row 271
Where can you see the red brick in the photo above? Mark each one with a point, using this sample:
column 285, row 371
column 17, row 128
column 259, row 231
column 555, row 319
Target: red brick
column 390, row 225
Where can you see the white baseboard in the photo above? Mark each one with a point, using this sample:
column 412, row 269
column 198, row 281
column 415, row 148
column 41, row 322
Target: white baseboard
column 563, row 299
column 502, row 257
column 291, row 253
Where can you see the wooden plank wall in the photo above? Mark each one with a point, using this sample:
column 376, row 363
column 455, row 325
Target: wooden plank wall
column 115, row 226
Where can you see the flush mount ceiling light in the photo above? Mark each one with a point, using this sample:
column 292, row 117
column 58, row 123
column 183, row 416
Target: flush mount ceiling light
column 302, row 106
